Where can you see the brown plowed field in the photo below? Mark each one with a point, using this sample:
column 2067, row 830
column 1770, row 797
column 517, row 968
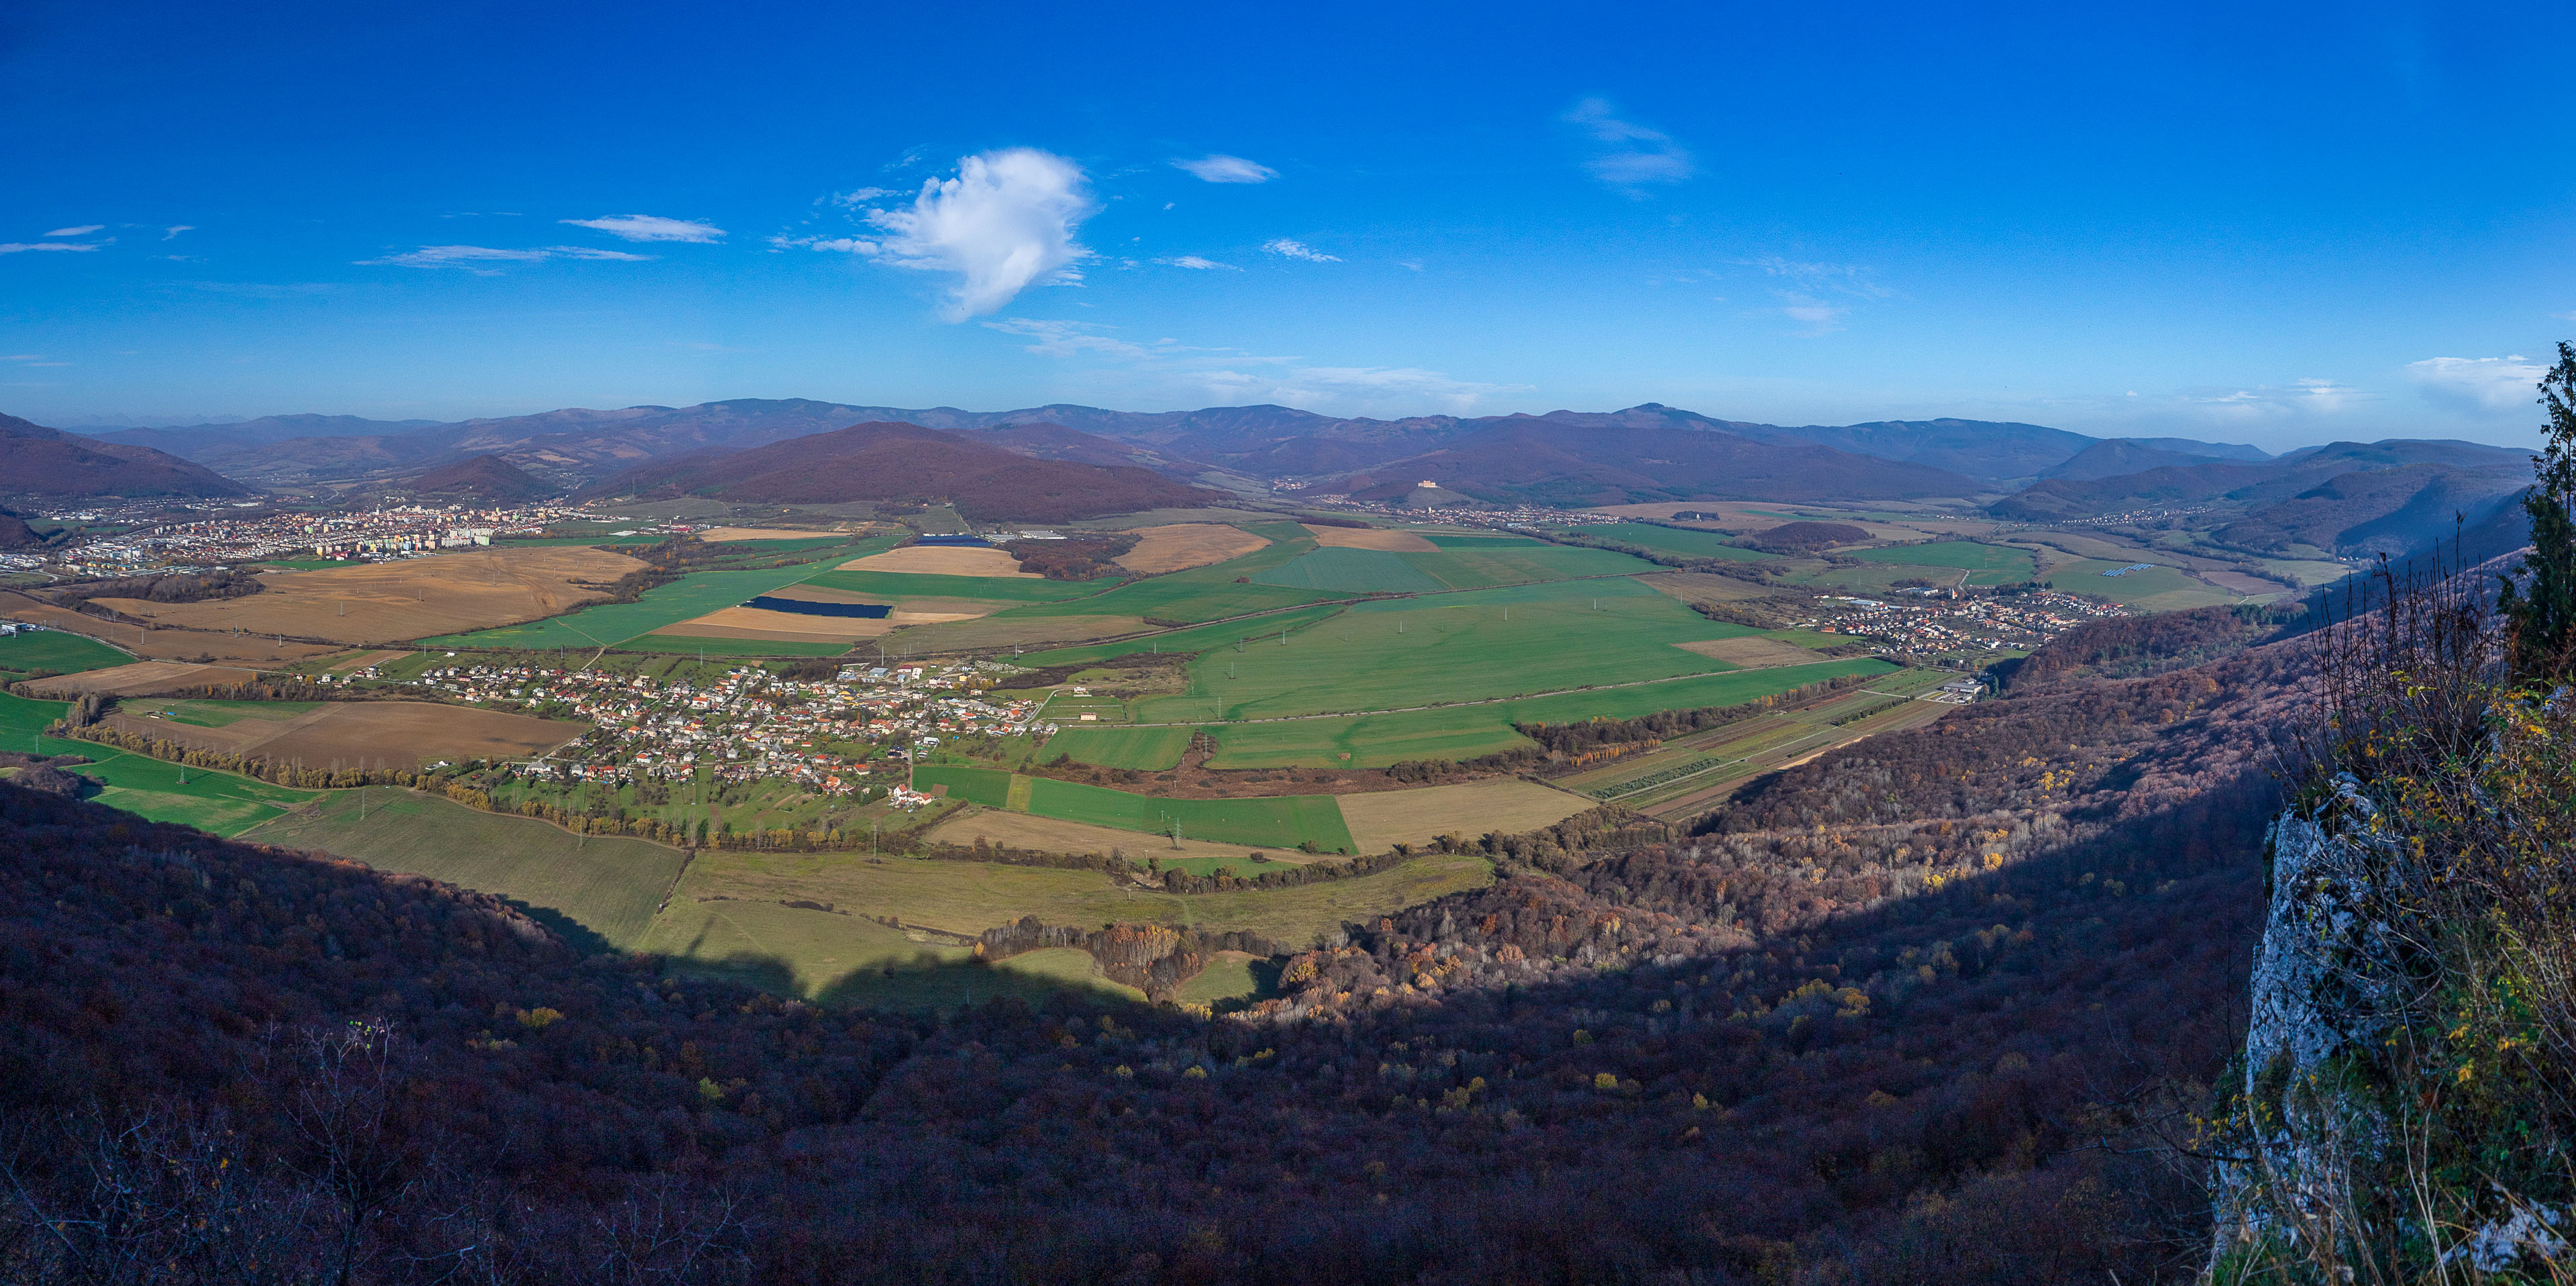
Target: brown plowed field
column 1752, row 653
column 413, row 598
column 391, row 734
column 162, row 644
column 941, row 560
column 1184, row 545
column 1382, row 819
column 1401, row 542
column 143, row 678
column 796, row 627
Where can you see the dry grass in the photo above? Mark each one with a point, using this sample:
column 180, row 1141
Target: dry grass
column 1020, row 632
column 143, row 678
column 365, row 659
column 942, row 560
column 391, row 734
column 1752, row 653
column 414, row 598
column 1382, row 819
column 795, row 627
column 1046, row 834
column 1180, row 546
column 1400, row 542
column 164, row 644
column 720, row 534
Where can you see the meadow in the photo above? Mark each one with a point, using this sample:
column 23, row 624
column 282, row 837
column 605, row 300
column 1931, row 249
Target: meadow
column 1142, row 749
column 1993, row 564
column 1202, row 593
column 609, row 887
column 2155, row 589
column 1672, row 540
column 26, row 652
column 1465, row 731
column 845, row 959
column 900, row 587
column 1273, row 822
column 607, row 624
column 219, row 802
column 1197, row 638
column 1454, row 647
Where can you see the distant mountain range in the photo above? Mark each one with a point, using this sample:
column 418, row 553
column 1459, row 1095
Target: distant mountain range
column 2344, row 497
column 37, row 461
column 906, row 462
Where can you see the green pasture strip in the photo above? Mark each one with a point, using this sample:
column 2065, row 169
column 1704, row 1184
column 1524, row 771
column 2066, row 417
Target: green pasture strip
column 1283, row 821
column 1527, row 564
column 218, row 802
column 1963, row 555
column 1201, row 593
column 1143, row 749
column 990, row 787
column 896, row 586
column 1462, row 732
column 63, row 653
column 216, row 714
column 1196, row 638
column 1483, row 542
column 693, row 595
column 22, row 718
column 609, row 885
column 1672, row 540
column 692, row 645
column 2157, row 589
column 1394, row 653
column 1349, row 571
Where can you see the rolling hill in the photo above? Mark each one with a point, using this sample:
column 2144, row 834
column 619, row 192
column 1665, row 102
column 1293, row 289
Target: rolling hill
column 907, row 462
column 484, row 477
column 1605, row 460
column 37, row 461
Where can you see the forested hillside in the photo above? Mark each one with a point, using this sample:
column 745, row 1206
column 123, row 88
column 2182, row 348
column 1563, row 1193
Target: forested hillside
column 1869, row 1025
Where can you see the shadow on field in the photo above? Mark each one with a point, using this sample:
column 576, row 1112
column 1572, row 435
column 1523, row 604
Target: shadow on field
column 926, row 980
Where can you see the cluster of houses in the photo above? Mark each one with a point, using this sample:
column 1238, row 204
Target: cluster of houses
column 2022, row 621
column 837, row 736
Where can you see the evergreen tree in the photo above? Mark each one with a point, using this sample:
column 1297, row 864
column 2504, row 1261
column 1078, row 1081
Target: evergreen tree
column 2544, row 615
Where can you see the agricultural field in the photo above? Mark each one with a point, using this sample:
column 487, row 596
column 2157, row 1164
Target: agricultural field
column 177, row 645
column 376, row 734
column 1202, row 593
column 1465, row 731
column 2155, row 589
column 1345, row 570
column 25, row 653
column 1672, row 540
column 1453, row 647
column 1279, row 822
column 845, row 959
column 1380, row 820
column 1180, row 546
column 979, row 561
column 1985, row 564
column 1055, row 835
column 607, row 886
column 1379, row 538
column 1198, row 638
column 1691, row 773
column 219, row 802
column 390, row 602
column 1142, row 749
column 609, row 624
column 901, row 588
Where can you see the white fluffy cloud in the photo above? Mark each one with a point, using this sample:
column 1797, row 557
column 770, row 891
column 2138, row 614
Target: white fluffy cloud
column 474, row 259
column 2479, row 384
column 650, row 227
column 1005, row 223
column 1227, row 169
column 1298, row 250
column 1626, row 154
column 1194, row 261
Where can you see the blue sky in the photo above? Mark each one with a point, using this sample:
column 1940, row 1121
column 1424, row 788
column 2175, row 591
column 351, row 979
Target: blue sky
column 2272, row 224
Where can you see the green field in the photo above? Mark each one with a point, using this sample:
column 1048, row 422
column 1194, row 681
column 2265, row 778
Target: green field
column 1203, row 593
column 693, row 645
column 608, row 886
column 845, row 959
column 896, row 587
column 693, row 595
column 1284, row 822
column 1960, row 555
column 1451, row 647
column 1521, row 564
column 1446, row 541
column 990, row 787
column 1349, row 571
column 1196, row 638
column 1459, row 732
column 216, row 714
column 26, row 652
column 2157, row 589
column 1672, row 540
column 1143, row 749
column 218, row 802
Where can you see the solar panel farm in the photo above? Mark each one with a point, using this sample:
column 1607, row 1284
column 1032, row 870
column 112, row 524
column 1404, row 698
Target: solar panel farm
column 1270, row 721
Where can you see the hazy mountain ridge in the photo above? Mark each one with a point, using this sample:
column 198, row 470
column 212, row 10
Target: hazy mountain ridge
column 38, row 461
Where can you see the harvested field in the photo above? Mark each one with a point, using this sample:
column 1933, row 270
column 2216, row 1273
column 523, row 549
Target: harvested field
column 820, row 594
column 364, row 659
column 1187, row 544
column 942, row 560
column 1394, row 542
column 2250, row 586
column 1048, row 834
column 142, row 678
column 761, row 623
column 1703, row 587
column 1752, row 653
column 392, row 733
column 391, row 602
column 29, row 651
column 163, row 644
column 718, row 535
column 1018, row 631
column 1381, row 820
